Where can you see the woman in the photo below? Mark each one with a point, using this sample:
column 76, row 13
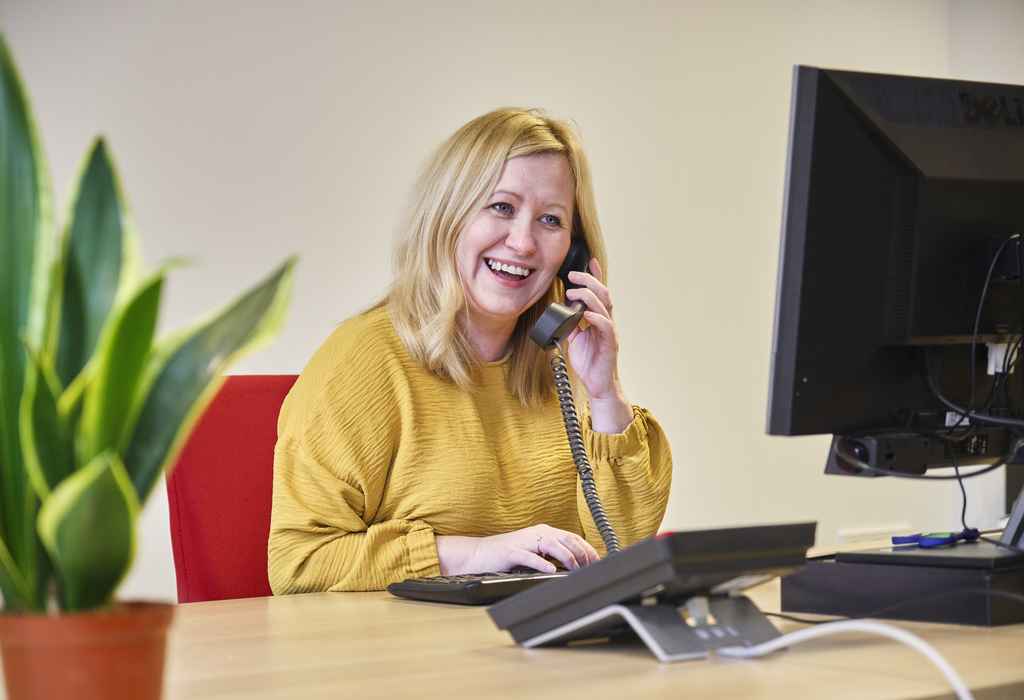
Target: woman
column 424, row 437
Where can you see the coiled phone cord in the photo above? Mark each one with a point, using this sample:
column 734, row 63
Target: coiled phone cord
column 579, row 452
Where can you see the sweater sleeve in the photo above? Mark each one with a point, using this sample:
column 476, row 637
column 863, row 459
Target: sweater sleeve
column 337, row 435
column 633, row 474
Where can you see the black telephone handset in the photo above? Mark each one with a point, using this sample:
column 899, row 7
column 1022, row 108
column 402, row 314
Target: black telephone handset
column 558, row 320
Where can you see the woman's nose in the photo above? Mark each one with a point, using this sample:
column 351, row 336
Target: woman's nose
column 520, row 237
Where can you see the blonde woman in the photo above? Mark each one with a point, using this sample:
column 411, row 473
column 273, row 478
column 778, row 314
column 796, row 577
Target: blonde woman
column 424, row 437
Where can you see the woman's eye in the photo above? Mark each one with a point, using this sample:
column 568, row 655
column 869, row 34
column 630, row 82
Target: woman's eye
column 551, row 220
column 502, row 208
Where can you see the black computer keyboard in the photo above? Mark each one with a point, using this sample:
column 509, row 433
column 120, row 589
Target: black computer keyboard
column 471, row 589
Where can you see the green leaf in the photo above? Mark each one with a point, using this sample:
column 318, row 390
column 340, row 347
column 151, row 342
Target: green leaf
column 27, row 248
column 119, row 362
column 88, row 527
column 46, row 441
column 185, row 373
column 16, row 590
column 99, row 260
column 70, row 402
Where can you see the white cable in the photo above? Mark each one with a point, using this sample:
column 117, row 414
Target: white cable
column 900, row 635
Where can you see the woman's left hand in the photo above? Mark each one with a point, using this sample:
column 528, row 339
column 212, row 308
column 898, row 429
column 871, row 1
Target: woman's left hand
column 594, row 352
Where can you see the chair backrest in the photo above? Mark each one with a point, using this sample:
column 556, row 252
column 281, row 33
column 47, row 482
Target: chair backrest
column 219, row 492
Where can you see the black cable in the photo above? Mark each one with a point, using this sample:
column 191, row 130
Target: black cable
column 794, row 618
column 579, row 452
column 970, row 428
column 963, row 494
column 984, row 418
column 906, row 603
column 949, row 434
column 977, row 315
column 1001, row 381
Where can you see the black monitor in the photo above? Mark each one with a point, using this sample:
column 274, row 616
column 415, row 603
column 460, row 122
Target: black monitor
column 899, row 192
column 904, row 208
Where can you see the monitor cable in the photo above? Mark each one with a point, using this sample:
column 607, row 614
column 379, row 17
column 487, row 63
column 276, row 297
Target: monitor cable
column 963, row 520
column 1000, row 383
column 963, row 494
column 981, row 306
column 969, row 412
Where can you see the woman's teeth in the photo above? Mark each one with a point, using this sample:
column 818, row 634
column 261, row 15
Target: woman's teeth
column 510, row 269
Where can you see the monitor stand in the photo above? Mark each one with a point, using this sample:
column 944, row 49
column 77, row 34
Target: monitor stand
column 955, row 584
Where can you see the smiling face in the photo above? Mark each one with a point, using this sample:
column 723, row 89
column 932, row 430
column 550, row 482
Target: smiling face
column 509, row 252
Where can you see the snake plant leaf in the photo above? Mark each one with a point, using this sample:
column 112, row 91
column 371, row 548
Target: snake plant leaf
column 88, row 528
column 185, row 373
column 15, row 589
column 119, row 361
column 46, row 441
column 27, row 248
column 99, row 260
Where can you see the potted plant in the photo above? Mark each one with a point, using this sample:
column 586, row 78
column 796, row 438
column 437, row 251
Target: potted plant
column 93, row 409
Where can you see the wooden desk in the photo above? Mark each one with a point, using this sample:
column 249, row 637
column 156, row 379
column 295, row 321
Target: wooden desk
column 362, row 645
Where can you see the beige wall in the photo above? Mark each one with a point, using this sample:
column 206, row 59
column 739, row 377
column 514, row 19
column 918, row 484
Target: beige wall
column 244, row 134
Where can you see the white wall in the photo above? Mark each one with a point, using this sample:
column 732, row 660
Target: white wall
column 246, row 133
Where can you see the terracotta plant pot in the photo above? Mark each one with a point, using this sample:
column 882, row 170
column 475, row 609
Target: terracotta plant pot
column 112, row 653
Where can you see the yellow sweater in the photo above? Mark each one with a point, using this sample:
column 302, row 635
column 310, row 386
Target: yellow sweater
column 376, row 455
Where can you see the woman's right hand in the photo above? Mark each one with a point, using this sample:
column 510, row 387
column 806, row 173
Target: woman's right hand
column 526, row 547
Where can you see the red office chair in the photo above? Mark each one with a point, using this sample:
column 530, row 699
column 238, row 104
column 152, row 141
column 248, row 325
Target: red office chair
column 219, row 492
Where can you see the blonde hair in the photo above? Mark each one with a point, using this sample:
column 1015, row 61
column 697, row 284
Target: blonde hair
column 426, row 296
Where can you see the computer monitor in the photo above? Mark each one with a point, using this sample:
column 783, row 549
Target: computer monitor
column 904, row 215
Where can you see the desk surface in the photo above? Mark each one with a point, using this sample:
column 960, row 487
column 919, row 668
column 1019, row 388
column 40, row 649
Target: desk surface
column 333, row 645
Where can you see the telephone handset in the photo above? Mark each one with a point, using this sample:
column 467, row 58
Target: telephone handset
column 556, row 323
column 559, row 320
